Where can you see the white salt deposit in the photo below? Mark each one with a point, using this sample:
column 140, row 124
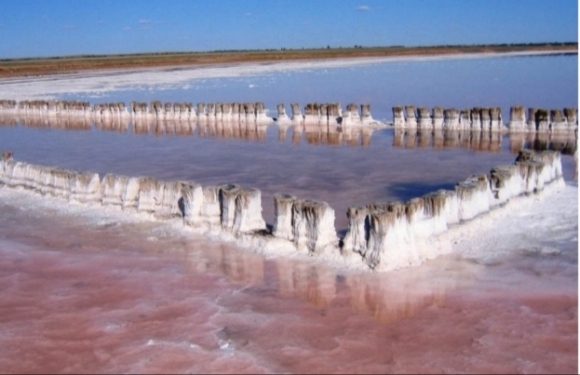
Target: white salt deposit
column 99, row 82
column 525, row 221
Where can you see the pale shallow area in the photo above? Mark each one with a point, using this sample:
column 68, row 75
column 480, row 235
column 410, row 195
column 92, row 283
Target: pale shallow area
column 105, row 292
column 88, row 290
column 98, row 83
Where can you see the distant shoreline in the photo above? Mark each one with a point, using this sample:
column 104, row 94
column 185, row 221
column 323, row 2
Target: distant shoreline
column 98, row 81
column 35, row 67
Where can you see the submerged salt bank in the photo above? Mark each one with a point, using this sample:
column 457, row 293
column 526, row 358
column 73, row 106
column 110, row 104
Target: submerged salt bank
column 380, row 236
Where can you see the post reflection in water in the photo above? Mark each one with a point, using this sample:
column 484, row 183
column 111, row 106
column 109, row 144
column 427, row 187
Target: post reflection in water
column 566, row 143
column 314, row 134
column 385, row 298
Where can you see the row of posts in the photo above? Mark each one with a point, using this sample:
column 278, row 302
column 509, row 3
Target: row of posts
column 381, row 235
column 486, row 119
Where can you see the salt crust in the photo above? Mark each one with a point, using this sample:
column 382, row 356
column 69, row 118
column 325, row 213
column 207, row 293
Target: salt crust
column 475, row 238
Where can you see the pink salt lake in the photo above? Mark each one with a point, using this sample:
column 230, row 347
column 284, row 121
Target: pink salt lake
column 84, row 295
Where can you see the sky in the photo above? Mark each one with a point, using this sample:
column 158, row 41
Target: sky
column 37, row 28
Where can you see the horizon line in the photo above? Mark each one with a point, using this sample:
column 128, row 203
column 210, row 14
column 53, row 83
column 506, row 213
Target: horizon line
column 284, row 49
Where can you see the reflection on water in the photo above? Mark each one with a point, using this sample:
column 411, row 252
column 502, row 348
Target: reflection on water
column 118, row 296
column 344, row 166
column 81, row 293
column 566, row 143
column 314, row 134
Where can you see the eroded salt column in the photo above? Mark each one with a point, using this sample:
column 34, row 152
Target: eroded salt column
column 381, row 223
column 156, row 109
column 506, row 183
column 542, row 117
column 201, row 115
column 496, row 122
column 356, row 237
column 227, row 112
column 451, row 119
column 323, row 111
column 572, row 117
column 261, row 116
column 59, row 182
column 530, row 172
column 112, row 189
column 517, row 119
column 210, row 111
column 465, row 119
column 334, row 112
column 248, row 211
column 353, row 116
column 398, row 117
column 192, row 203
column 432, row 219
column 172, row 200
column 249, row 112
column 282, row 116
column 558, row 122
column 296, row 114
column 139, row 111
column 7, row 155
column 485, row 119
column 218, row 114
column 476, row 119
column 473, row 196
column 227, row 200
column 365, row 113
column 18, row 174
column 551, row 169
column 312, row 113
column 424, row 119
column 393, row 231
column 235, row 116
column 313, row 227
column 411, row 116
column 532, row 125
column 283, row 216
column 150, row 194
column 210, row 210
column 168, row 111
column 438, row 118
column 85, row 187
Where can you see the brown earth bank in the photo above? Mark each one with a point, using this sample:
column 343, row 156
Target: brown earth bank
column 71, row 64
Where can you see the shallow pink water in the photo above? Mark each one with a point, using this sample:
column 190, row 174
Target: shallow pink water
column 80, row 297
column 83, row 296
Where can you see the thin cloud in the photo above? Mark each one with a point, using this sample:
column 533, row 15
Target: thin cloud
column 363, row 8
column 70, row 27
column 145, row 21
column 248, row 14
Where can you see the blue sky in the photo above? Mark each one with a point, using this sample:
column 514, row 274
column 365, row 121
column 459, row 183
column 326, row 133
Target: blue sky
column 32, row 28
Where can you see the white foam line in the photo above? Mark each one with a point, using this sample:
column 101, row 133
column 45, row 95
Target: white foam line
column 105, row 81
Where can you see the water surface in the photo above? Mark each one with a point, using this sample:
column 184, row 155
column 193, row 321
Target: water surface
column 82, row 293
